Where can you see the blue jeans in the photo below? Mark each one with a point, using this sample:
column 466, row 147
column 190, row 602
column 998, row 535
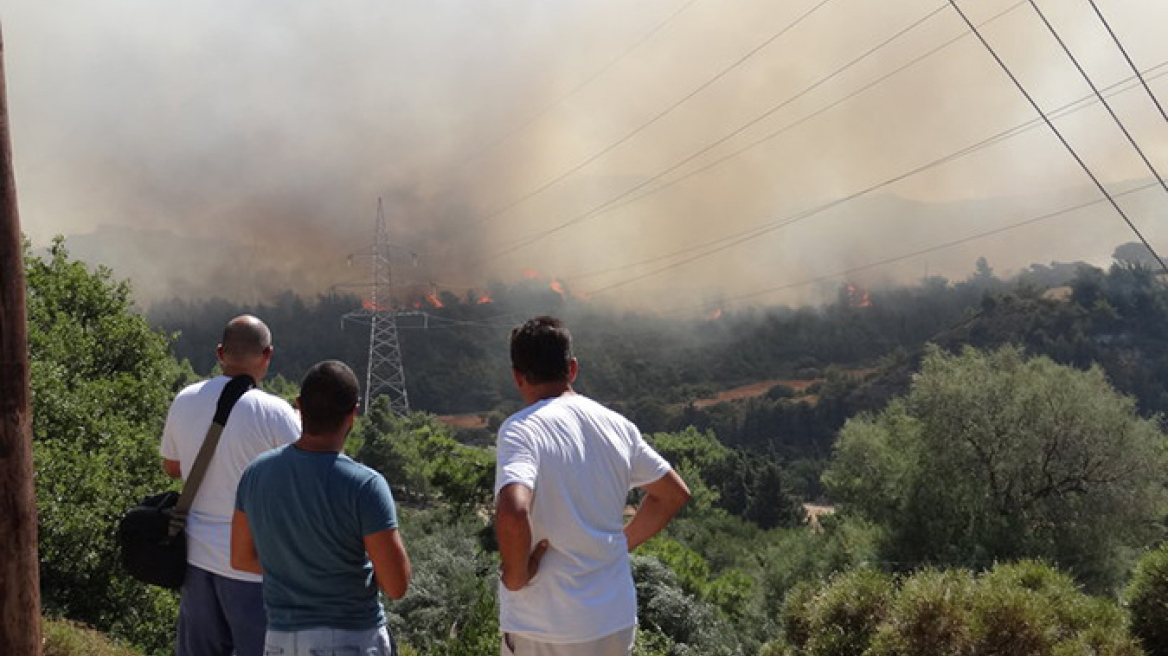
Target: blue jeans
column 218, row 616
column 330, row 642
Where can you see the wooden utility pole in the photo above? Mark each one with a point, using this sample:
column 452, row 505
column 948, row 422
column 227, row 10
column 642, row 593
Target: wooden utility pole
column 20, row 627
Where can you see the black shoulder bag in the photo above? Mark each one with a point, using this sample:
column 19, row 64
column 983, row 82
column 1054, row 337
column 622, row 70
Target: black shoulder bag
column 151, row 536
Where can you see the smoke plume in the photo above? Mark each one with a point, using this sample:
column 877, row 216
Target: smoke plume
column 205, row 148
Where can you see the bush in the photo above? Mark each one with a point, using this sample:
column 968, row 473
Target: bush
column 450, row 606
column 846, row 614
column 1147, row 598
column 933, row 614
column 65, row 638
column 1021, row 609
column 101, row 380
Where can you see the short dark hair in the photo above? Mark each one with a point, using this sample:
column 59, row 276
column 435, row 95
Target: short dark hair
column 541, row 350
column 328, row 395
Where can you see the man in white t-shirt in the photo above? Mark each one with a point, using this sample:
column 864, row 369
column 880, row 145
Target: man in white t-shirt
column 565, row 465
column 221, row 610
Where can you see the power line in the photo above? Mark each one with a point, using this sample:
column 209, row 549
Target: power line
column 659, row 116
column 1066, row 144
column 907, row 256
column 440, row 322
column 619, row 200
column 729, row 241
column 589, row 80
column 1128, row 58
column 1098, row 95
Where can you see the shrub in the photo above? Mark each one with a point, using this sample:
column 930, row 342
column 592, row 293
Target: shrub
column 847, row 613
column 1021, row 609
column 1147, row 598
column 933, row 614
column 65, row 638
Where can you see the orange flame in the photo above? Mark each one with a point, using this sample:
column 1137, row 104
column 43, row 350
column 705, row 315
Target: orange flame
column 714, row 315
column 484, row 299
column 370, row 305
column 858, row 297
column 530, row 274
column 557, row 288
column 433, row 300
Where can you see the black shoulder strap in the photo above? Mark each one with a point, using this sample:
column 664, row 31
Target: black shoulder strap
column 235, row 388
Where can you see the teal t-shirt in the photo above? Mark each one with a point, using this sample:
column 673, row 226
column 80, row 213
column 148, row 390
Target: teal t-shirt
column 309, row 513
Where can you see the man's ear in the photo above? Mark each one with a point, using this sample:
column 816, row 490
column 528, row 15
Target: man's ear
column 296, row 404
column 219, row 353
column 573, row 369
column 520, row 379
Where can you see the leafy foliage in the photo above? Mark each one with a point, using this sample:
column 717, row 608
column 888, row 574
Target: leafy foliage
column 422, row 462
column 101, row 380
column 1021, row 609
column 1147, row 598
column 995, row 456
column 746, row 485
column 450, row 607
column 65, row 638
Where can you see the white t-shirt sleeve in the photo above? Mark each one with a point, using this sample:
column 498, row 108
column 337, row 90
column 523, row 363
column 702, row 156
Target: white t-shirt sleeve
column 169, row 447
column 647, row 464
column 283, row 423
column 515, row 461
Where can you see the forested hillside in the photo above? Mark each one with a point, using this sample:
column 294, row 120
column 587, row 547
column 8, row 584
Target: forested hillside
column 960, row 430
column 848, row 356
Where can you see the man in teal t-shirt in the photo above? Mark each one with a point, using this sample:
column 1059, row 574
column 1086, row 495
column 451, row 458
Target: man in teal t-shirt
column 322, row 529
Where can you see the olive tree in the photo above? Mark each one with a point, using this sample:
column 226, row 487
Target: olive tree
column 993, row 455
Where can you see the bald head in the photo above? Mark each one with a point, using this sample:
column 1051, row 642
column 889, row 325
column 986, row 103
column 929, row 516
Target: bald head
column 246, row 347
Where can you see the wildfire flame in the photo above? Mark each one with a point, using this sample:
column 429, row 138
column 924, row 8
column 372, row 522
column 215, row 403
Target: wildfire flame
column 483, row 299
column 530, row 274
column 858, row 297
column 714, row 314
column 557, row 288
column 370, row 305
column 433, row 299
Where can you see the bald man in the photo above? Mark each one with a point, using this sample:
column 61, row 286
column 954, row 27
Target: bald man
column 221, row 611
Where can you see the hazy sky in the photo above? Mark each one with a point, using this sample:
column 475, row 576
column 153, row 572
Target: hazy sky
column 511, row 135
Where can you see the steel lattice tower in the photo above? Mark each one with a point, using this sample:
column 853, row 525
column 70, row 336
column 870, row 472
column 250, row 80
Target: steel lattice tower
column 384, row 373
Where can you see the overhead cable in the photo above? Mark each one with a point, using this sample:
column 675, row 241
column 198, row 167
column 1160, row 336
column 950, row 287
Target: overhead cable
column 906, row 256
column 623, row 199
column 702, row 87
column 1095, row 90
column 724, row 243
column 1061, row 138
column 1128, row 59
column 589, row 80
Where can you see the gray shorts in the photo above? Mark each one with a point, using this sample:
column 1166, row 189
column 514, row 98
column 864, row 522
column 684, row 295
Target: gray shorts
column 616, row 644
column 329, row 642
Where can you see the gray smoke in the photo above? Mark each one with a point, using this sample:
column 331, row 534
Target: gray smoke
column 207, row 148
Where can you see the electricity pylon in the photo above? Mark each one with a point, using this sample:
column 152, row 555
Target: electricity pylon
column 384, row 372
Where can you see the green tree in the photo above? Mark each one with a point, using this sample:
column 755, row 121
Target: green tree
column 996, row 456
column 102, row 380
column 1147, row 598
column 746, row 485
column 421, row 461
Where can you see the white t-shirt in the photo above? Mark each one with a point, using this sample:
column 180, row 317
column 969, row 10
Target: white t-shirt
column 258, row 422
column 580, row 459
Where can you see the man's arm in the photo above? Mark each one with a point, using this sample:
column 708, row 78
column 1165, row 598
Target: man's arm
column 663, row 498
column 243, row 551
column 172, row 468
column 391, row 563
column 513, row 531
